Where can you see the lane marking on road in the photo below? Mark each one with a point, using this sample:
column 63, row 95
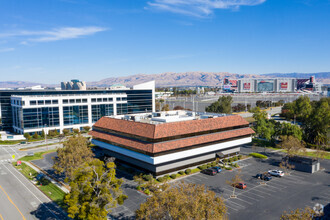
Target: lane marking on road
column 266, row 188
column 14, row 151
column 11, row 201
column 42, row 203
column 255, row 194
column 231, row 207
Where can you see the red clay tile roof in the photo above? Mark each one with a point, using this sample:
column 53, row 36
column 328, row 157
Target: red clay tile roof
column 155, row 131
column 174, row 144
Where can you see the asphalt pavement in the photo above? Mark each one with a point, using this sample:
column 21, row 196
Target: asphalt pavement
column 20, row 199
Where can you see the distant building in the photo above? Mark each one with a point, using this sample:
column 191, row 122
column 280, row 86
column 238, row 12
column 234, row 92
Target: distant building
column 267, row 85
column 163, row 142
column 118, row 87
column 29, row 111
column 73, row 85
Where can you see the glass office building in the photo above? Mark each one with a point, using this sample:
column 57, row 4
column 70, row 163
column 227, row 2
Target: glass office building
column 26, row 111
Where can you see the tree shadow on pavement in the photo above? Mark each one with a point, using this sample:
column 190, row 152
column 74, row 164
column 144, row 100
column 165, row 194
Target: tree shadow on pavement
column 49, row 210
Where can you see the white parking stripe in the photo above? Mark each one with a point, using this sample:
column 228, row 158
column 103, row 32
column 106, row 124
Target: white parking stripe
column 261, row 191
column 267, row 188
column 249, row 197
column 254, row 194
column 227, row 205
column 243, row 200
column 235, row 203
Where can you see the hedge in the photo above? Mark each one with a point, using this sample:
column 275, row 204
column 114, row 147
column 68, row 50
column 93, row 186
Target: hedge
column 173, row 176
column 188, row 171
column 181, row 172
column 257, row 155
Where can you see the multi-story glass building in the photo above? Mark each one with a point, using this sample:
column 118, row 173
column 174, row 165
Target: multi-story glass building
column 24, row 111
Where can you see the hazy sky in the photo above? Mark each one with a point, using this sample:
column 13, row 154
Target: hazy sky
column 55, row 40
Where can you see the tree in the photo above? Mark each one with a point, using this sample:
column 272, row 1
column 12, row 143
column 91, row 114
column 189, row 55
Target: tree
column 35, row 135
column 27, row 136
column 43, row 133
column 166, row 108
column 87, row 128
column 73, row 155
column 303, row 107
column 235, row 181
column 223, row 105
column 288, row 129
column 298, row 214
column 66, row 132
column 93, row 188
column 292, row 145
column 185, row 201
column 178, row 107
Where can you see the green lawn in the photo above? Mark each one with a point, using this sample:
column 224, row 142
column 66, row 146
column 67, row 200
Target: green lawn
column 257, row 155
column 36, row 156
column 51, row 190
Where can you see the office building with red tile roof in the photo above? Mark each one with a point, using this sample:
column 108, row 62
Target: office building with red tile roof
column 163, row 142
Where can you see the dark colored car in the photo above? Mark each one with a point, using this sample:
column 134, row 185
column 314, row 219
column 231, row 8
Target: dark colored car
column 265, row 177
column 210, row 171
column 218, row 169
column 241, row 185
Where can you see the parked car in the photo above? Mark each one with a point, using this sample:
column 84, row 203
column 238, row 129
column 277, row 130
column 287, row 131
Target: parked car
column 241, row 185
column 278, row 173
column 263, row 176
column 218, row 169
column 210, row 171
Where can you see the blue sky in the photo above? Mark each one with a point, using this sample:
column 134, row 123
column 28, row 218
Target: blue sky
column 49, row 41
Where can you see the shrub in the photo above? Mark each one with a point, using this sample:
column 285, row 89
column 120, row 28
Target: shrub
column 167, row 177
column 35, row 135
column 225, row 160
column 214, row 163
column 76, row 131
column 27, row 136
column 200, row 167
column 236, row 165
column 87, row 128
column 230, row 160
column 235, row 158
column 147, row 191
column 209, row 165
column 228, row 168
column 160, row 179
column 239, row 157
column 121, row 199
column 138, row 187
column 147, row 177
column 257, row 155
column 66, row 132
column 173, row 176
column 181, row 172
column 188, row 171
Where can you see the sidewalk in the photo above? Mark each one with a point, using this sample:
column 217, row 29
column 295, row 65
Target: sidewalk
column 64, row 189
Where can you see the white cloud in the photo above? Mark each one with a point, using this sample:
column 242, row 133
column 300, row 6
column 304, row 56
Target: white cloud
column 57, row 34
column 6, row 50
column 199, row 8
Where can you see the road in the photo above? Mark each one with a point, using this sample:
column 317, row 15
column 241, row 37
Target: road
column 20, row 199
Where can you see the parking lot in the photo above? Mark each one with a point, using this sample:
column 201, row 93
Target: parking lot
column 259, row 201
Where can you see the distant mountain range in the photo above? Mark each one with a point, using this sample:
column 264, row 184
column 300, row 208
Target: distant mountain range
column 179, row 79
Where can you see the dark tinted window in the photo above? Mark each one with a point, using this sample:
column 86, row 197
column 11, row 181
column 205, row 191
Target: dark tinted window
column 40, row 102
column 48, row 102
column 55, row 101
column 65, row 101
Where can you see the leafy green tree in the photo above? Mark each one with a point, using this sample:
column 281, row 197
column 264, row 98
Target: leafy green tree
column 288, row 129
column 185, row 201
column 35, row 135
column 74, row 154
column 66, row 132
column 223, row 105
column 93, row 189
column 27, row 136
column 303, row 108
column 43, row 133
column 317, row 126
column 87, row 128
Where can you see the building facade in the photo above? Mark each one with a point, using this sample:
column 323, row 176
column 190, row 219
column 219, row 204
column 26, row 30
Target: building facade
column 34, row 111
column 168, row 141
column 267, row 85
column 73, row 85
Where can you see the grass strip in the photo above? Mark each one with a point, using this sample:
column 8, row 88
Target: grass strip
column 37, row 156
